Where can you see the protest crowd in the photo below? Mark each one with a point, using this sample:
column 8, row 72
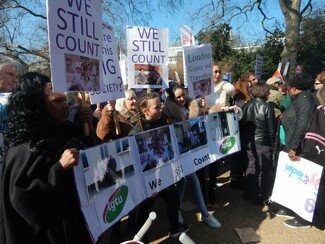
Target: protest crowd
column 43, row 132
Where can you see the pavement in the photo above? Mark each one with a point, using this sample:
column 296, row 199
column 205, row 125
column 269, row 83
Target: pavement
column 241, row 221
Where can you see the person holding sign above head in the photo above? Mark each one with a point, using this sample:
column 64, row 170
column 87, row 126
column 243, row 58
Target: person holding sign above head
column 150, row 111
column 38, row 197
column 179, row 107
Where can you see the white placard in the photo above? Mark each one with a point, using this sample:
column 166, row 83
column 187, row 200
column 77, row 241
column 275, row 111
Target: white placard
column 147, row 57
column 296, row 185
column 187, row 36
column 113, row 83
column 75, row 41
column 198, row 70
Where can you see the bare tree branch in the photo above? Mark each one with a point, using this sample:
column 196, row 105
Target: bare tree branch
column 308, row 5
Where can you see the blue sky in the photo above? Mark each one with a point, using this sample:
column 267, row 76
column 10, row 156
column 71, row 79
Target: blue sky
column 249, row 31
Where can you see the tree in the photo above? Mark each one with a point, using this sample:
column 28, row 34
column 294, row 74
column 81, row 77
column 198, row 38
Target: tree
column 219, row 37
column 225, row 11
column 311, row 46
column 293, row 17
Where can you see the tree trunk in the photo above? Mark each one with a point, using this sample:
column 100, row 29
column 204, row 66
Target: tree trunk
column 291, row 12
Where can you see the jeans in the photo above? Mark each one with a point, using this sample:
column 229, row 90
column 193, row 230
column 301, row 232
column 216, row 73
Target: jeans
column 196, row 189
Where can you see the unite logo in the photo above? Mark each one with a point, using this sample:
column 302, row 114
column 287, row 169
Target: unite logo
column 115, row 204
column 227, row 145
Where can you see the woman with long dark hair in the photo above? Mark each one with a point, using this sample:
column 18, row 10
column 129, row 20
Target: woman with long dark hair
column 38, row 196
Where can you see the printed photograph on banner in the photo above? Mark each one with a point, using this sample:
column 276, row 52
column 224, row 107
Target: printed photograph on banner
column 202, row 88
column 148, row 74
column 214, row 126
column 154, row 148
column 82, row 73
column 106, row 165
column 190, row 134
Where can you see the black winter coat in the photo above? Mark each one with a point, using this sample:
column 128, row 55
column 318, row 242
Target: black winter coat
column 38, row 200
column 259, row 122
column 296, row 118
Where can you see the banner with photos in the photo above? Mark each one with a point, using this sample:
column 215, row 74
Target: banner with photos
column 113, row 178
column 75, row 42
column 147, row 50
column 296, row 185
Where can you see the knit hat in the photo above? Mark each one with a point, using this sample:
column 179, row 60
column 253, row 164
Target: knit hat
column 302, row 81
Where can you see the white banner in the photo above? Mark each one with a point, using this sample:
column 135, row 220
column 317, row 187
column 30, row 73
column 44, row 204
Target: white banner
column 113, row 83
column 147, row 57
column 296, row 185
column 113, row 178
column 198, row 70
column 75, row 41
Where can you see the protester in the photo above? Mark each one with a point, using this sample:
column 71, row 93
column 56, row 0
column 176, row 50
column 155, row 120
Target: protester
column 319, row 213
column 295, row 120
column 249, row 76
column 38, row 195
column 179, row 107
column 149, row 107
column 127, row 106
column 223, row 92
column 112, row 125
column 242, row 95
column 82, row 115
column 299, row 69
column 320, row 87
column 259, row 137
column 10, row 70
column 239, row 160
column 275, row 96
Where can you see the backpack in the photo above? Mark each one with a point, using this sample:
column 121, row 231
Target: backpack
column 313, row 144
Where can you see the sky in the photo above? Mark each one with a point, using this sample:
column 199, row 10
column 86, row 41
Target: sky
column 249, row 31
